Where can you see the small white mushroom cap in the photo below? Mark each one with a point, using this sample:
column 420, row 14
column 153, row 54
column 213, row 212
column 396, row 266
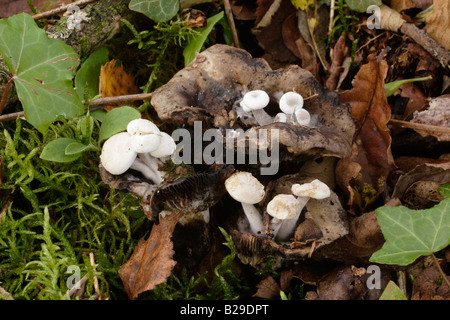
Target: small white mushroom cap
column 290, row 101
column 302, row 117
column 280, row 117
column 255, row 100
column 284, row 206
column 145, row 135
column 166, row 147
column 315, row 189
column 244, row 187
column 117, row 155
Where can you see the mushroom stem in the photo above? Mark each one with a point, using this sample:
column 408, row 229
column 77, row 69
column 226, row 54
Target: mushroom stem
column 262, row 117
column 287, row 226
column 253, row 216
column 140, row 166
column 206, row 215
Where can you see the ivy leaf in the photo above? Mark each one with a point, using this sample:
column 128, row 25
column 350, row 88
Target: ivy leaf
column 444, row 190
column 196, row 43
column 43, row 70
column 410, row 234
column 392, row 292
column 362, row 5
column 157, row 10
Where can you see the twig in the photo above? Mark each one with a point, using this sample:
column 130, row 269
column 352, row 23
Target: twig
column 6, row 294
column 64, row 8
column 330, row 25
column 229, row 14
column 119, row 99
column 96, row 102
column 96, row 287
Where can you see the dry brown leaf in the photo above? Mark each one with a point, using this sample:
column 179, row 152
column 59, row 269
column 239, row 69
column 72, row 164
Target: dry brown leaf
column 400, row 5
column 372, row 141
column 340, row 51
column 151, row 262
column 425, row 286
column 115, row 81
column 438, row 115
column 416, row 98
column 270, row 37
column 268, row 288
column 438, row 23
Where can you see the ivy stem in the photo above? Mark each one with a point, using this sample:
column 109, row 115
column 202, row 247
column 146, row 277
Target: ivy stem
column 5, row 94
column 444, row 276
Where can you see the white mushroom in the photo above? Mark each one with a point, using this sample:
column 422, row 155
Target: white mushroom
column 290, row 101
column 166, row 148
column 315, row 189
column 255, row 101
column 245, row 188
column 283, row 208
column 153, row 159
column 145, row 135
column 117, row 156
column 280, row 117
column 302, row 117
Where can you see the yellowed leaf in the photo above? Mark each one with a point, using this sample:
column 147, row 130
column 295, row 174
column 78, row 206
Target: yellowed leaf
column 302, row 4
column 115, row 81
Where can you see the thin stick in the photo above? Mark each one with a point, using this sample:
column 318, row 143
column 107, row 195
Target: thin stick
column 64, row 8
column 330, row 25
column 229, row 14
column 96, row 102
column 119, row 99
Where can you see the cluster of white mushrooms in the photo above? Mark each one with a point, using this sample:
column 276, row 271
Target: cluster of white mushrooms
column 291, row 106
column 285, row 209
column 143, row 147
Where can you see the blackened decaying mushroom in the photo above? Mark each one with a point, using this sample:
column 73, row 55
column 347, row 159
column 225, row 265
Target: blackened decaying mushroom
column 215, row 82
column 191, row 194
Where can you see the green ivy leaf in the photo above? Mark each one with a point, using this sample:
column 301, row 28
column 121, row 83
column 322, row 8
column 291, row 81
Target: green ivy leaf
column 410, row 234
column 196, row 43
column 117, row 120
column 87, row 78
column 362, row 5
column 55, row 150
column 157, row 10
column 392, row 292
column 444, row 190
column 43, row 70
